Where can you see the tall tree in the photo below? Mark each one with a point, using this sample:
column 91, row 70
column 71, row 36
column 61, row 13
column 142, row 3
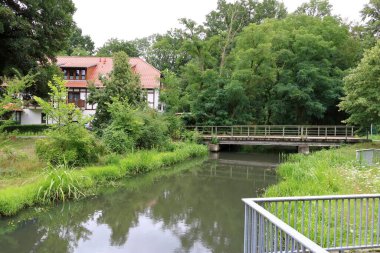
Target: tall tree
column 113, row 46
column 292, row 69
column 80, row 44
column 33, row 31
column 316, row 8
column 371, row 15
column 362, row 90
column 122, row 83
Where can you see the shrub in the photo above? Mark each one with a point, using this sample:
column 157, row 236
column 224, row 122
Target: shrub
column 154, row 131
column 117, row 141
column 71, row 145
column 26, row 128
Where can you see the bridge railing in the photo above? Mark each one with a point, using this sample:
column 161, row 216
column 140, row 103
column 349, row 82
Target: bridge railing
column 334, row 223
column 276, row 131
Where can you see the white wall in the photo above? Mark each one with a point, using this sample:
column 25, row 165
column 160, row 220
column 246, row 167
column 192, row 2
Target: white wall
column 31, row 116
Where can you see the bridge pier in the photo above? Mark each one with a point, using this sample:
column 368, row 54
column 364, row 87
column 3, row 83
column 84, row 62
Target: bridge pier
column 304, row 149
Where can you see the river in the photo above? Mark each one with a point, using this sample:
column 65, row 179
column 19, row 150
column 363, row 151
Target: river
column 194, row 208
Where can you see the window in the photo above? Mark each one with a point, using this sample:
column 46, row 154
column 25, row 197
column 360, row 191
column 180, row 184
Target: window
column 43, row 118
column 74, row 74
column 17, row 117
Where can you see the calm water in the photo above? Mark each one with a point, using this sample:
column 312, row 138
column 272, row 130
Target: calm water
column 193, row 208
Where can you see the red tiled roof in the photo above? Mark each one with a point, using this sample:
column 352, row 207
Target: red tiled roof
column 100, row 66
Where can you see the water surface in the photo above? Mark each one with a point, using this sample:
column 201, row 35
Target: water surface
column 194, row 208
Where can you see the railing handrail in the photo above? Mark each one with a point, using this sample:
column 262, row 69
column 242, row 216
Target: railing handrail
column 309, row 126
column 310, row 198
column 303, row 240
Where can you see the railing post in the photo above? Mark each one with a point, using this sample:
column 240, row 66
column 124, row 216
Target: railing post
column 216, row 131
column 269, row 131
column 335, row 131
column 318, row 130
column 352, row 131
column 248, row 132
column 283, row 131
column 232, row 131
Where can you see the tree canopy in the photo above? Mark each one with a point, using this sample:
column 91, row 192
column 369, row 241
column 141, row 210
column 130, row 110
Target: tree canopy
column 32, row 31
column 113, row 46
column 362, row 89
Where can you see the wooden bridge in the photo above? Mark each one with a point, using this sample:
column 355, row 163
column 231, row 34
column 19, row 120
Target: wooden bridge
column 285, row 135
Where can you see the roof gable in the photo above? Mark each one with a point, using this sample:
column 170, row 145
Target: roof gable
column 100, row 66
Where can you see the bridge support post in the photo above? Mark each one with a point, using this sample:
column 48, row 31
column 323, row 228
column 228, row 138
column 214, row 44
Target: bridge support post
column 304, row 149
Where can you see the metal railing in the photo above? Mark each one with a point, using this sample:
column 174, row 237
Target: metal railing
column 312, row 224
column 277, row 131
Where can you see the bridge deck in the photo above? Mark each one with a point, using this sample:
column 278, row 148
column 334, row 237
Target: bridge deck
column 284, row 140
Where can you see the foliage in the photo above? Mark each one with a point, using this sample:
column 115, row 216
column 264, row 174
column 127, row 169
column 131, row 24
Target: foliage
column 316, row 8
column 292, row 69
column 122, row 84
column 59, row 186
column 10, row 96
column 80, row 45
column 371, row 14
column 32, row 31
column 214, row 140
column 132, row 127
column 62, row 184
column 362, row 89
column 67, row 142
column 326, row 172
column 26, row 128
column 113, row 46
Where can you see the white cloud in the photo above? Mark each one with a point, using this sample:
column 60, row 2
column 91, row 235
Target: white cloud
column 130, row 19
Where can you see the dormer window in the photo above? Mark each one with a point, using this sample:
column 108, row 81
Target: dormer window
column 74, row 73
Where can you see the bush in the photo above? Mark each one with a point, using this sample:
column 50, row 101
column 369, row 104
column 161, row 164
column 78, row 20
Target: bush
column 26, row 128
column 117, row 141
column 154, row 132
column 70, row 145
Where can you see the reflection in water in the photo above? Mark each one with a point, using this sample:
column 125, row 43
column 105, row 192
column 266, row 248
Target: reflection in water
column 195, row 207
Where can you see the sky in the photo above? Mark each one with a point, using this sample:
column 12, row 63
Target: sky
column 130, row 19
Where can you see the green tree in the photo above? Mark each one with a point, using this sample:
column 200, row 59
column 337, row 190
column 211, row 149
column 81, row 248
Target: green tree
column 315, row 8
column 371, row 15
column 67, row 142
column 362, row 90
column 11, row 91
column 122, row 83
column 79, row 44
column 33, row 31
column 292, row 69
column 113, row 46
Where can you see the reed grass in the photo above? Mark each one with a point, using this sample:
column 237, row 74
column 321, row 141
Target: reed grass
column 60, row 184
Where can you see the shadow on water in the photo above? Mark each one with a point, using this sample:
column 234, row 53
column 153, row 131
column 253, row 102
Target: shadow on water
column 194, row 207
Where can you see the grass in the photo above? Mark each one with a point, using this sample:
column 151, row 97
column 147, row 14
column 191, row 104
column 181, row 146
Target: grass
column 60, row 184
column 327, row 172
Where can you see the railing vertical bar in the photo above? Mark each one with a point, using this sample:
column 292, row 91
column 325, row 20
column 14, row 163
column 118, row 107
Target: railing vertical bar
column 246, row 222
column 255, row 234
column 289, row 212
column 373, row 220
column 316, row 221
column 335, row 221
column 329, row 224
column 323, row 222
column 348, row 222
column 303, row 217
column 309, row 223
column 341, row 223
column 360, row 222
column 275, row 238
column 281, row 241
column 378, row 221
column 366, row 222
column 295, row 214
column 354, row 228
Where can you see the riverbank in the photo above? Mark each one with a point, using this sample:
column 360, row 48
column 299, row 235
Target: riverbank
column 61, row 184
column 327, row 172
